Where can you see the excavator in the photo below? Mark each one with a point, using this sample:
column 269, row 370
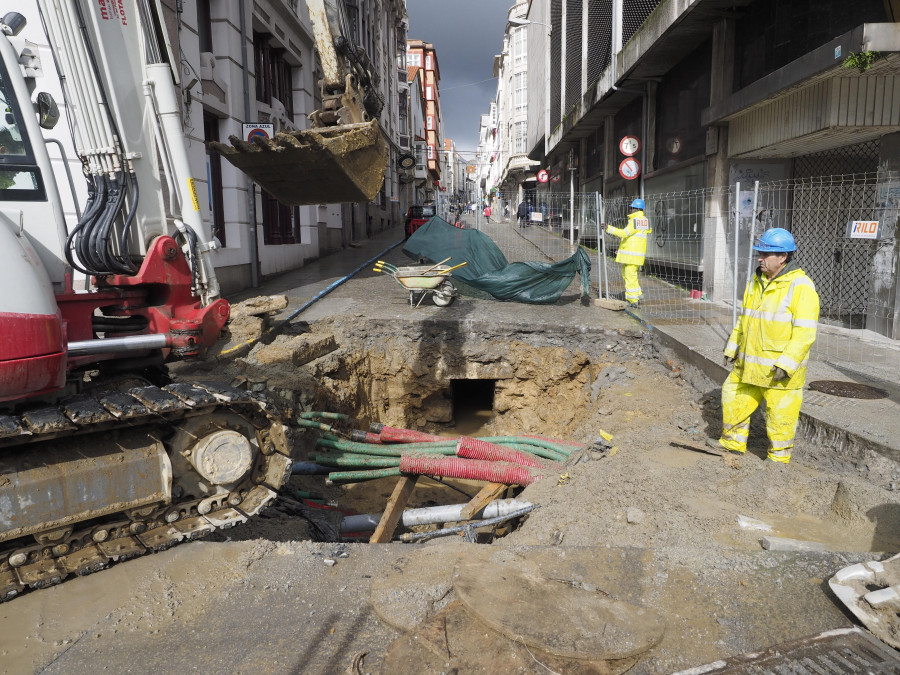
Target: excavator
column 102, row 458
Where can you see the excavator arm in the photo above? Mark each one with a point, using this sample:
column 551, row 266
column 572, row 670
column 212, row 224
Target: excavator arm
column 343, row 156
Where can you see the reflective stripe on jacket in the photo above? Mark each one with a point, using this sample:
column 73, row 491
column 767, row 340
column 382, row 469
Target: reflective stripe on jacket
column 777, row 327
column 634, row 241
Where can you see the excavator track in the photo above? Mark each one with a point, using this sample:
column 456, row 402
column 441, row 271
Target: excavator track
column 45, row 559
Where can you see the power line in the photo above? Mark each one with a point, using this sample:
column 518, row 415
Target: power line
column 467, row 84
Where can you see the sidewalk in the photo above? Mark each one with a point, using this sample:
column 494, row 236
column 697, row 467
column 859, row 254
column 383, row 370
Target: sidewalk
column 866, row 431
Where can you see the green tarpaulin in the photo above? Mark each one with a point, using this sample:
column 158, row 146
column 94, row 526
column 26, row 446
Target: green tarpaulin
column 488, row 270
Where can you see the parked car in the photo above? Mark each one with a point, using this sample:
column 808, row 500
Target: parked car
column 417, row 215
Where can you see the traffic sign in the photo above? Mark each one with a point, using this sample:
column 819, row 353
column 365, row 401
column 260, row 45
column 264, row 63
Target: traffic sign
column 629, row 145
column 630, row 168
column 543, row 176
column 253, row 129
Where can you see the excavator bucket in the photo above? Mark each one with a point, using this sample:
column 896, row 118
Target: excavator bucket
column 324, row 165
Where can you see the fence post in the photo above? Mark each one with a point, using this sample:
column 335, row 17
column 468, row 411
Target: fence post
column 752, row 231
column 736, row 211
column 598, row 203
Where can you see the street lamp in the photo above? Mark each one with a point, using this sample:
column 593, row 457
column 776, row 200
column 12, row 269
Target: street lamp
column 516, row 22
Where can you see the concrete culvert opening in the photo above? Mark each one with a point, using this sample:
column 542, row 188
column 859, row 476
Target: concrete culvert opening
column 473, row 404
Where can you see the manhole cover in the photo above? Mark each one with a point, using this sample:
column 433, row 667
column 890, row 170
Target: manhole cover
column 847, row 389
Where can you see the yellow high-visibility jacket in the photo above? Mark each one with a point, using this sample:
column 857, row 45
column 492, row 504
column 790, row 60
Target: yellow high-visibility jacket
column 777, row 327
column 634, row 239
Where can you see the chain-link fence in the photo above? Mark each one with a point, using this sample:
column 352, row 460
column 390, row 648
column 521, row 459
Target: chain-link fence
column 699, row 252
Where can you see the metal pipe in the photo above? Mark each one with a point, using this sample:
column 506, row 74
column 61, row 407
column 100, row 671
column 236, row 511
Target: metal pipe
column 468, row 527
column 450, row 513
column 137, row 343
column 737, row 230
column 251, row 187
column 752, row 232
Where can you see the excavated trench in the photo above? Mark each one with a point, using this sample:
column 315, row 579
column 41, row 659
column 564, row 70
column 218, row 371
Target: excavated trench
column 660, row 488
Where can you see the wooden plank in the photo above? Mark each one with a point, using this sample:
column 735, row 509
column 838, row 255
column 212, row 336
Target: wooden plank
column 486, row 495
column 393, row 510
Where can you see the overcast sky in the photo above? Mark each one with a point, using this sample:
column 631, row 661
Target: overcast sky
column 466, row 35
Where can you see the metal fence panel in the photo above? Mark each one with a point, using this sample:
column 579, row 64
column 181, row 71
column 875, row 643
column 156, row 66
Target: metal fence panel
column 699, row 253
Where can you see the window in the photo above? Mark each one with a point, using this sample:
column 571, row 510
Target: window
column 214, row 178
column 429, row 122
column 414, row 59
column 273, row 73
column 204, row 26
column 278, row 221
column 429, row 62
column 20, row 178
column 520, row 46
column 430, row 152
column 521, row 93
column 519, row 147
column 429, row 92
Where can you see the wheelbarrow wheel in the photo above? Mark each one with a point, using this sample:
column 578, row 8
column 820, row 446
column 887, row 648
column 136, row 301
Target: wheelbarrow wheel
column 444, row 294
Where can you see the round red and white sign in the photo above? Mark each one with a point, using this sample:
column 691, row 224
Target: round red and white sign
column 630, row 168
column 543, row 176
column 629, row 145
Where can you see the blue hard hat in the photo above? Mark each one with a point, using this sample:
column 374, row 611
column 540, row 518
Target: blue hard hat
column 776, row 240
column 638, row 204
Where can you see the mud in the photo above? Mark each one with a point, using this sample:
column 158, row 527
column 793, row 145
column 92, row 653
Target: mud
column 659, row 524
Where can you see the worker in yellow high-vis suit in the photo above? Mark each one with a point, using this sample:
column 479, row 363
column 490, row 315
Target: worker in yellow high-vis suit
column 632, row 250
column 769, row 348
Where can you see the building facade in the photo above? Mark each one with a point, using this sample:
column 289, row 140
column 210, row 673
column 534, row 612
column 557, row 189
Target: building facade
column 720, row 93
column 423, row 55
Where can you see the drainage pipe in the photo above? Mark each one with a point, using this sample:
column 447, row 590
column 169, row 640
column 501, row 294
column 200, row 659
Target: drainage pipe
column 359, row 476
column 384, row 450
column 451, row 513
column 394, row 435
column 325, row 415
column 474, row 448
column 360, row 436
column 447, row 447
column 355, row 460
column 308, row 469
column 413, row 536
column 472, row 469
column 318, row 296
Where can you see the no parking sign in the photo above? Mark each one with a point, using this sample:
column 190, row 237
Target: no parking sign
column 253, row 129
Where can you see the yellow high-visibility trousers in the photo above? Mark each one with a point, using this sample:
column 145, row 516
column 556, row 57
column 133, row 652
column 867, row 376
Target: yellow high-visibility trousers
column 633, row 291
column 739, row 400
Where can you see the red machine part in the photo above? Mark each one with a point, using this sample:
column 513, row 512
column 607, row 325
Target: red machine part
column 160, row 292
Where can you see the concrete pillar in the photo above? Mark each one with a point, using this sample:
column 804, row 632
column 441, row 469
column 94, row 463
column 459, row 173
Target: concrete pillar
column 610, row 146
column 717, row 278
column 883, row 312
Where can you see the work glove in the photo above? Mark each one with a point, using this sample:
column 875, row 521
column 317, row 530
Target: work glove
column 728, row 361
column 779, row 374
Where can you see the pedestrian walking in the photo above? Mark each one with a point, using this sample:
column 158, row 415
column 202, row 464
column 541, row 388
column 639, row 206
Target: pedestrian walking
column 632, row 250
column 522, row 213
column 487, row 214
column 769, row 349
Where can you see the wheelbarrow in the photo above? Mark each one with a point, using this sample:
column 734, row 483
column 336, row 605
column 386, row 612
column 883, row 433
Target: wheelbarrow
column 422, row 280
